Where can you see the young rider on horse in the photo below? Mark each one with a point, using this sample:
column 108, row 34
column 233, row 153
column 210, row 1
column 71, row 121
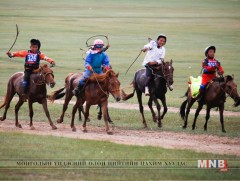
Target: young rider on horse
column 32, row 61
column 155, row 55
column 210, row 65
column 93, row 63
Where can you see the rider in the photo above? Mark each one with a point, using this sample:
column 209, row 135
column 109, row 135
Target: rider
column 93, row 63
column 210, row 65
column 155, row 55
column 32, row 60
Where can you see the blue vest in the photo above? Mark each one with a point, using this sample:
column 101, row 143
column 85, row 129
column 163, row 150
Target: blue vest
column 32, row 59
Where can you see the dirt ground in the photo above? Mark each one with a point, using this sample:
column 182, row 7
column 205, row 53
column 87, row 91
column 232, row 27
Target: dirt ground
column 172, row 140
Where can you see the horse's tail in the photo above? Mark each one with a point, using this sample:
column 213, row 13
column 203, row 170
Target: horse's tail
column 128, row 96
column 56, row 95
column 8, row 94
column 183, row 108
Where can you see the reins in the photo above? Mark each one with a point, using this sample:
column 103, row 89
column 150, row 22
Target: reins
column 43, row 78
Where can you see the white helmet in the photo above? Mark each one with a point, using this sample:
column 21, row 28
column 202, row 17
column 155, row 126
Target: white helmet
column 209, row 48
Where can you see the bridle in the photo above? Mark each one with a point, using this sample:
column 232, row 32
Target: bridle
column 164, row 76
column 105, row 92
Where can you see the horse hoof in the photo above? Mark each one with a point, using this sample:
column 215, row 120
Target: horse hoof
column 74, row 129
column 224, row 131
column 59, row 121
column 88, row 120
column 160, row 125
column 2, row 119
column 85, row 131
column 32, row 128
column 54, row 127
column 99, row 117
column 109, row 132
column 184, row 127
column 19, row 126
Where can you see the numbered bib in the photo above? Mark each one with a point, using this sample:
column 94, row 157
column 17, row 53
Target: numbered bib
column 32, row 58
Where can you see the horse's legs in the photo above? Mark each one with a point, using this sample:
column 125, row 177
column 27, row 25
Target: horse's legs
column 17, row 107
column 109, row 118
column 79, row 113
column 99, row 117
column 151, row 109
column 86, row 115
column 190, row 103
column 139, row 96
column 207, row 118
column 105, row 116
column 158, row 109
column 30, row 114
column 68, row 97
column 74, row 110
column 221, row 109
column 165, row 109
column 200, row 105
column 45, row 108
column 7, row 106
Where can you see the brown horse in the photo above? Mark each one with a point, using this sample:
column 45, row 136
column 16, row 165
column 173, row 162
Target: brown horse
column 214, row 96
column 96, row 92
column 70, row 84
column 163, row 78
column 37, row 93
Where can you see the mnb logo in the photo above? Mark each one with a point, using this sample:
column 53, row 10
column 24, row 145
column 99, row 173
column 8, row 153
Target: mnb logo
column 222, row 164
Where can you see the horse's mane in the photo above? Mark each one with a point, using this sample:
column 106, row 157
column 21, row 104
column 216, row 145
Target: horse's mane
column 101, row 77
column 229, row 78
column 41, row 67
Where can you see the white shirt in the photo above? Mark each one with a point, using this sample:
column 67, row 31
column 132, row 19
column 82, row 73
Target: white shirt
column 154, row 54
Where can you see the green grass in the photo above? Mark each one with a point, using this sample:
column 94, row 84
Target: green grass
column 31, row 147
column 63, row 27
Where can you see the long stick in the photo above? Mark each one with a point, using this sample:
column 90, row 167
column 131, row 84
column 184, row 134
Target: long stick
column 133, row 62
column 15, row 39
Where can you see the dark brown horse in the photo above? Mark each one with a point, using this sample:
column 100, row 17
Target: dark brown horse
column 163, row 78
column 96, row 92
column 37, row 93
column 214, row 96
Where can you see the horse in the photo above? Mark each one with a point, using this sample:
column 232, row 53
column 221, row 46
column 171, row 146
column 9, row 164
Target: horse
column 96, row 92
column 37, row 92
column 214, row 96
column 70, row 84
column 163, row 78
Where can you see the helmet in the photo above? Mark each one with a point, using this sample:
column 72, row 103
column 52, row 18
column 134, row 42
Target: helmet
column 98, row 42
column 209, row 48
column 162, row 36
column 36, row 42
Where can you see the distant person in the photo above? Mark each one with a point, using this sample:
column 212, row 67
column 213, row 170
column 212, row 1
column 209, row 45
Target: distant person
column 95, row 60
column 155, row 55
column 210, row 65
column 32, row 61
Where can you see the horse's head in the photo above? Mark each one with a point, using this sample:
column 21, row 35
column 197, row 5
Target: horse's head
column 113, row 84
column 47, row 75
column 168, row 74
column 230, row 88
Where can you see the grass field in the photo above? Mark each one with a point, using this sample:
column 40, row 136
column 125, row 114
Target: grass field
column 64, row 26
